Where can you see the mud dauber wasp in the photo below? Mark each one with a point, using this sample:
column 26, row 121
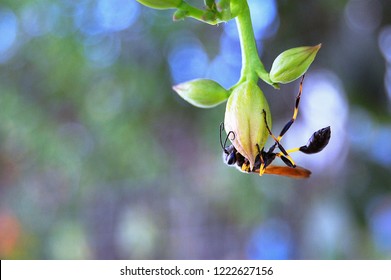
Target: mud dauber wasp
column 315, row 144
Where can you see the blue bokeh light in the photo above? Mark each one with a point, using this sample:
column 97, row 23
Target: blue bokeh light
column 225, row 67
column 187, row 59
column 379, row 217
column 385, row 47
column 263, row 15
column 102, row 51
column 40, row 18
column 8, row 33
column 116, row 15
column 106, row 16
column 364, row 135
column 272, row 240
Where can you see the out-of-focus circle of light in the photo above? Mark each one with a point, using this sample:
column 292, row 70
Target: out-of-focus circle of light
column 39, row 18
column 359, row 122
column 102, row 51
column 105, row 17
column 8, row 32
column 364, row 135
column 385, row 48
column 327, row 220
column 379, row 219
column 187, row 58
column 323, row 103
column 381, row 155
column 263, row 14
column 116, row 15
column 272, row 240
column 363, row 15
column 136, row 229
column 387, row 82
column 223, row 72
column 385, row 42
column 225, row 68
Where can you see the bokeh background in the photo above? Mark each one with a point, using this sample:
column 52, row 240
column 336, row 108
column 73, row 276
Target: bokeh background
column 100, row 159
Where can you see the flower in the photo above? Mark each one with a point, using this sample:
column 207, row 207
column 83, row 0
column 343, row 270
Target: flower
column 245, row 117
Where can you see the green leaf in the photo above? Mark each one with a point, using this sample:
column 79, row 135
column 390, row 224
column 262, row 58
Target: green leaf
column 292, row 63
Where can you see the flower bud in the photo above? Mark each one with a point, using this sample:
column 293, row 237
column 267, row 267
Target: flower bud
column 179, row 15
column 202, row 93
column 210, row 3
column 292, row 63
column 245, row 116
column 229, row 9
column 161, row 4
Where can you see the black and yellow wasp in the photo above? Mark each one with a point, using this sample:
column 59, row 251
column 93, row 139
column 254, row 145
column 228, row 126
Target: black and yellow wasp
column 317, row 142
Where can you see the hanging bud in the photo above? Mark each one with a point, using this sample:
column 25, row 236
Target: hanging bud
column 245, row 116
column 229, row 9
column 161, row 4
column 210, row 3
column 292, row 64
column 179, row 15
column 202, row 93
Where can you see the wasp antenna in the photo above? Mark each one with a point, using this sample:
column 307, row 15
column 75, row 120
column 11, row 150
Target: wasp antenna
column 221, row 129
column 226, row 138
column 229, row 133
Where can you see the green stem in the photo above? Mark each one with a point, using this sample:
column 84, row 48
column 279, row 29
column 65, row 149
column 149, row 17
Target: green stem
column 197, row 14
column 252, row 67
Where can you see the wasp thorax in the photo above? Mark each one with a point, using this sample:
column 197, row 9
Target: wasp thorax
column 245, row 117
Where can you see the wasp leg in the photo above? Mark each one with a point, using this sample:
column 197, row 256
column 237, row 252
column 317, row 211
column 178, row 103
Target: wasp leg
column 295, row 111
column 286, row 158
column 284, row 155
column 246, row 167
column 262, row 165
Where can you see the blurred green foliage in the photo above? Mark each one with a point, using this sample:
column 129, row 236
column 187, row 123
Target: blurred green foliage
column 100, row 159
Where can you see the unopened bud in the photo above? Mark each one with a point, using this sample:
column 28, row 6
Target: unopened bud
column 245, row 117
column 292, row 63
column 210, row 3
column 161, row 4
column 179, row 15
column 202, row 93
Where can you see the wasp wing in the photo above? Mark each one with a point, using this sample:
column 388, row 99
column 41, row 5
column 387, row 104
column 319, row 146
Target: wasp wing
column 297, row 172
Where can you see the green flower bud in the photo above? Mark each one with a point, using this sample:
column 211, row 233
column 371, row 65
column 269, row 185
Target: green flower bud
column 202, row 93
column 229, row 9
column 292, row 63
column 210, row 3
column 244, row 115
column 179, row 15
column 161, row 4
